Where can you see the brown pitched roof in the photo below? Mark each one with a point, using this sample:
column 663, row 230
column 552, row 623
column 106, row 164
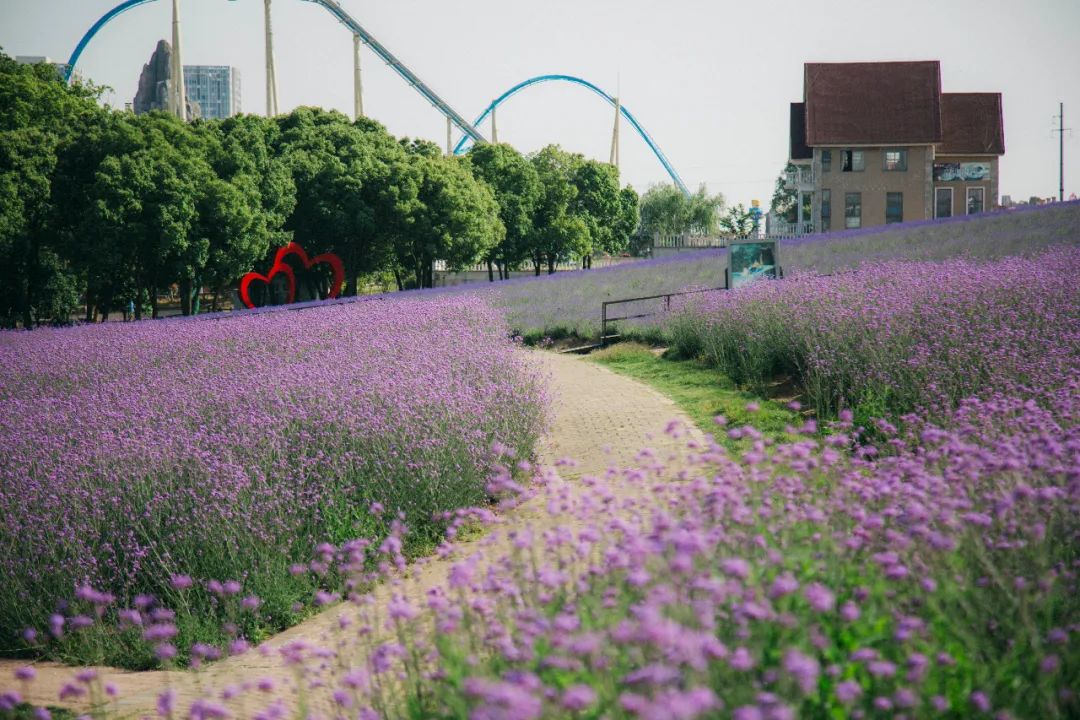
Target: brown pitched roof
column 797, row 148
column 873, row 103
column 972, row 124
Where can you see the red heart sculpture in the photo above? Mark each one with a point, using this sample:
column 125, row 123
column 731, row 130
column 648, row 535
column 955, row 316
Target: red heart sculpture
column 283, row 268
column 337, row 270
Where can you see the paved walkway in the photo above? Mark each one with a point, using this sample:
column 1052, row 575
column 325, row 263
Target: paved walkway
column 601, row 419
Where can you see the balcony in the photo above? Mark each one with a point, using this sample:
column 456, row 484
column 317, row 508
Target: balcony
column 800, row 178
column 787, row 230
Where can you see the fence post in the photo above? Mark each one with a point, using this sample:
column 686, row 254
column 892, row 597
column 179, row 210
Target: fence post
column 603, row 324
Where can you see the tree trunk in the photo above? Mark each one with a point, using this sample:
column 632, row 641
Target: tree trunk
column 214, row 302
column 196, row 297
column 138, row 303
column 397, row 279
column 551, row 264
column 153, row 303
column 491, row 271
column 350, row 286
column 185, row 297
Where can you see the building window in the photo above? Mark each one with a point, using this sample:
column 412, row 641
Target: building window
column 826, row 209
column 975, row 197
column 894, row 207
column 853, row 161
column 826, row 160
column 942, row 202
column 852, row 210
column 896, row 159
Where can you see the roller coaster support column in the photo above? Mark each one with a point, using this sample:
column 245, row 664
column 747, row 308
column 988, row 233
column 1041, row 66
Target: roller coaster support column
column 615, row 137
column 449, row 140
column 358, row 85
column 271, row 76
column 494, row 127
column 177, row 99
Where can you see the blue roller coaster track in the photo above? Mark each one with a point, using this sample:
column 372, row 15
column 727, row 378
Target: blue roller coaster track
column 345, row 19
column 469, row 129
column 460, row 147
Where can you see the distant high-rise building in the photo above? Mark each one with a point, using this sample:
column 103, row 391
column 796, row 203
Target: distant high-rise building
column 38, row 59
column 215, row 88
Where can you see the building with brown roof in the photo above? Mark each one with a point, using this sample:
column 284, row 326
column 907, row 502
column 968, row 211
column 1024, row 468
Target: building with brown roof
column 877, row 143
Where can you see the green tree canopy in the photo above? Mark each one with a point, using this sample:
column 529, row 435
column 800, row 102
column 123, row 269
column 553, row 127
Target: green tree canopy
column 454, row 217
column 516, row 185
column 665, row 210
column 784, row 198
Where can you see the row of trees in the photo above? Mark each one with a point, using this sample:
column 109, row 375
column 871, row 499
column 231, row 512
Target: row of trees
column 666, row 210
column 107, row 208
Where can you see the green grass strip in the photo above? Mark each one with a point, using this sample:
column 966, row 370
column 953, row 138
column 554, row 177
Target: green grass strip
column 701, row 392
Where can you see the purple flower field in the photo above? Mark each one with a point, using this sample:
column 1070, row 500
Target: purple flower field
column 898, row 337
column 569, row 303
column 226, row 450
column 812, row 579
column 189, row 486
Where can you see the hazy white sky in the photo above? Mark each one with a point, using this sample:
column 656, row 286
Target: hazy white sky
column 710, row 80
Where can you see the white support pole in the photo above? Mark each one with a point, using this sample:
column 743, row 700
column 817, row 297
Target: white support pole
column 358, row 85
column 271, row 75
column 614, row 159
column 494, row 127
column 178, row 98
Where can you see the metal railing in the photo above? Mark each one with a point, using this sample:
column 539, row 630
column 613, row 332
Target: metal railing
column 606, row 320
column 782, row 230
column 801, row 175
column 689, row 241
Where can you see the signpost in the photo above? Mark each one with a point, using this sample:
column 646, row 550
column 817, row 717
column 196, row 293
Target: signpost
column 752, row 260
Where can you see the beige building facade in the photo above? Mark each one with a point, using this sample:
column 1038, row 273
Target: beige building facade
column 879, row 143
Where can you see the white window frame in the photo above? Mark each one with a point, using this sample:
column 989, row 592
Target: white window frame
column 901, row 160
column 951, row 199
column 847, row 218
column 967, row 199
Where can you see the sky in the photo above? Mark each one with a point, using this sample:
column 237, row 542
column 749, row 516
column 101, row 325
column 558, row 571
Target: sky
column 710, row 80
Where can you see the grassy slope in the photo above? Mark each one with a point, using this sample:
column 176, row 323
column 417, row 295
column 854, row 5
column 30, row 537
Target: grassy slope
column 701, row 392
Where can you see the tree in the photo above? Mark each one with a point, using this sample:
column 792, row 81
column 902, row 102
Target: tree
column 516, row 186
column 353, row 188
column 598, row 204
column 784, row 198
column 556, row 233
column 737, row 221
column 665, row 210
column 629, row 218
column 243, row 210
column 454, row 217
column 38, row 116
column 146, row 208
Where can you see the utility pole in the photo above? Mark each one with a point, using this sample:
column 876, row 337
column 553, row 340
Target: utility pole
column 614, row 160
column 1060, row 130
column 494, row 127
column 358, row 84
column 177, row 96
column 271, row 76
